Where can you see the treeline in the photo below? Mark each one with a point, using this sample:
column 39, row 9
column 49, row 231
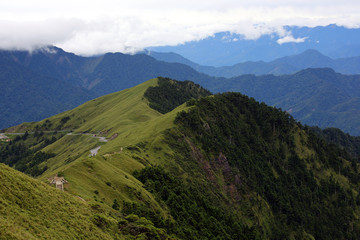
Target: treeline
column 171, row 93
column 23, row 152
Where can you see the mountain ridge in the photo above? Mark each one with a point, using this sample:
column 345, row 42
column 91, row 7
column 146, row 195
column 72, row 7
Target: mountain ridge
column 220, row 165
column 285, row 65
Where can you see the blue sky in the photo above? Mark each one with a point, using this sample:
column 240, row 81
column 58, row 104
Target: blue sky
column 93, row 27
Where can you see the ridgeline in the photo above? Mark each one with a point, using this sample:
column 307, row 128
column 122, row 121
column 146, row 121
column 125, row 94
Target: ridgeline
column 216, row 167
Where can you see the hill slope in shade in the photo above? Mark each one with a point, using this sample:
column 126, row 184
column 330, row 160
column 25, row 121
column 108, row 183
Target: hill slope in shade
column 118, row 71
column 103, row 74
column 221, row 165
column 27, row 95
column 333, row 135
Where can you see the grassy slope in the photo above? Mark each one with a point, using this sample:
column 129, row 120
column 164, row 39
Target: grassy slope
column 125, row 114
column 30, row 209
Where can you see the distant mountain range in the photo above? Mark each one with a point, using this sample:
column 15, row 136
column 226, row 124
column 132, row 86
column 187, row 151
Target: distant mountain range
column 284, row 65
column 319, row 96
column 227, row 49
column 48, row 81
column 103, row 74
column 29, row 95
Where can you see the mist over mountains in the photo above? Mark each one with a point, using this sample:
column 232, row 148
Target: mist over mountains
column 227, row 49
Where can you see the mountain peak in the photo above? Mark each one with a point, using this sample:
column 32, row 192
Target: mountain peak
column 309, row 58
column 312, row 52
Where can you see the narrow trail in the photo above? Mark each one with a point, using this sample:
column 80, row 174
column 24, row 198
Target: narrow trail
column 102, row 139
column 94, row 151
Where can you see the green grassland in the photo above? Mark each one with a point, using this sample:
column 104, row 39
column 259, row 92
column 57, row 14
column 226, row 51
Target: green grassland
column 108, row 176
column 30, row 209
column 125, row 114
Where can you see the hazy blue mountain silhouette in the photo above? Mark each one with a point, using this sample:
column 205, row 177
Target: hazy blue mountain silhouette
column 226, row 49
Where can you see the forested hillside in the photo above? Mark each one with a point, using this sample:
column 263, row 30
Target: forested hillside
column 27, row 95
column 334, row 135
column 249, row 154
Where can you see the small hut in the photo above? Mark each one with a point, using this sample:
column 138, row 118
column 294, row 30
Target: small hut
column 58, row 181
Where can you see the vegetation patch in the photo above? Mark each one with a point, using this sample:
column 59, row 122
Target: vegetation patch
column 195, row 215
column 170, row 94
column 24, row 152
column 334, row 135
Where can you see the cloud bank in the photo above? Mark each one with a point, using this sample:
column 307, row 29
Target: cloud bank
column 89, row 27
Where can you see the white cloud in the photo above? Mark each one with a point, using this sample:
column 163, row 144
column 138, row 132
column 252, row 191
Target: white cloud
column 93, row 27
column 29, row 35
column 290, row 39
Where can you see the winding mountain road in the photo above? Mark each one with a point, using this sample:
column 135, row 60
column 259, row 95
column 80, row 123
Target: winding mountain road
column 93, row 152
column 101, row 139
